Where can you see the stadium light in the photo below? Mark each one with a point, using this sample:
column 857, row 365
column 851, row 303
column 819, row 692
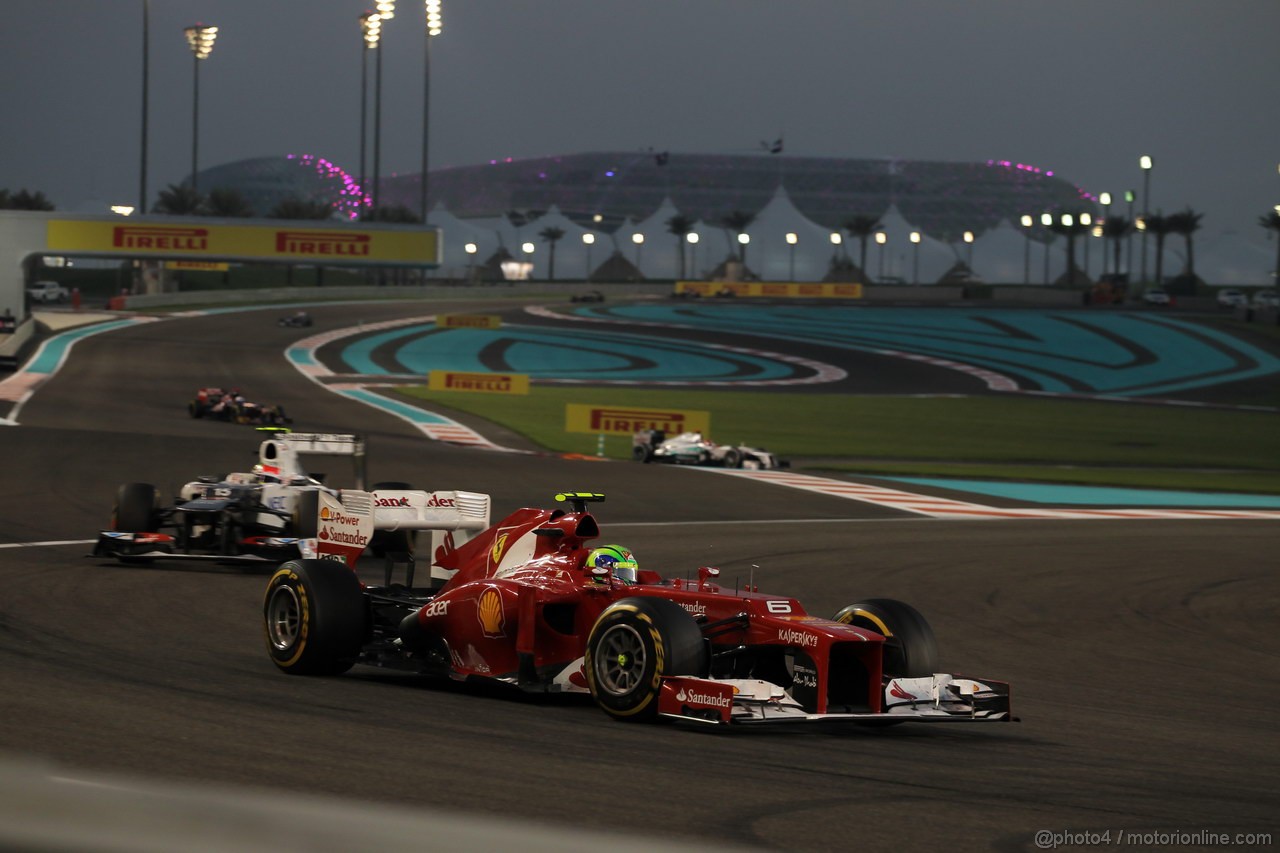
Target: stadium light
column 1145, row 163
column 1046, row 219
column 435, row 24
column 370, row 35
column 693, row 239
column 915, row 259
column 471, row 249
column 1027, row 222
column 200, row 38
column 146, row 83
column 792, row 239
column 588, row 240
column 638, row 239
column 386, row 11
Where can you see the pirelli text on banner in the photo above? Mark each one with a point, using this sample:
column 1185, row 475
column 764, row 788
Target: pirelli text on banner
column 214, row 241
column 468, row 321
column 627, row 420
column 484, row 383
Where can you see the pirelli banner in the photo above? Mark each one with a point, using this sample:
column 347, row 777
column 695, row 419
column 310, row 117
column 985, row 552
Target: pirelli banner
column 484, row 383
column 625, row 420
column 775, row 289
column 293, row 242
column 468, row 321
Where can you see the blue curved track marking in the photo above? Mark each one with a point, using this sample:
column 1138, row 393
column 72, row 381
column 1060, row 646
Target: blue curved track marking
column 54, row 350
column 560, row 354
column 395, row 407
column 1060, row 495
column 1124, row 354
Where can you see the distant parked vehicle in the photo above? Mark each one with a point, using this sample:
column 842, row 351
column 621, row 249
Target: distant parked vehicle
column 1232, row 298
column 1155, row 296
column 1266, row 299
column 47, row 291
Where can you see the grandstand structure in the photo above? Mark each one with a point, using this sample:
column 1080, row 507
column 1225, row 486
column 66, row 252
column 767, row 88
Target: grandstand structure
column 601, row 190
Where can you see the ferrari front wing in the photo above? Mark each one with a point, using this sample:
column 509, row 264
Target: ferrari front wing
column 935, row 698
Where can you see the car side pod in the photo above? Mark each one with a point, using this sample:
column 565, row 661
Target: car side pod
column 932, row 698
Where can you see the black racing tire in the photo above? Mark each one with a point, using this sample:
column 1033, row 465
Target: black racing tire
column 314, row 617
column 305, row 523
column 910, row 649
column 641, row 453
column 193, row 409
column 137, row 508
column 733, row 458
column 635, row 642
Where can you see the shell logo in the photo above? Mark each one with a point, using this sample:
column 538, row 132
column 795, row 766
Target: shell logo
column 499, row 545
column 489, row 609
column 324, row 513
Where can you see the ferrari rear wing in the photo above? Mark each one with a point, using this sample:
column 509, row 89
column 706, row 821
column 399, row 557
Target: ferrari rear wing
column 345, row 525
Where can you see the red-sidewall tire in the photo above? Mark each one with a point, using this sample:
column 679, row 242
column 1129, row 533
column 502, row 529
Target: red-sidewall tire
column 633, row 645
column 314, row 617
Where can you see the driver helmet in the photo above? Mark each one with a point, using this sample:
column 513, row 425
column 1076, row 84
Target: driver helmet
column 617, row 559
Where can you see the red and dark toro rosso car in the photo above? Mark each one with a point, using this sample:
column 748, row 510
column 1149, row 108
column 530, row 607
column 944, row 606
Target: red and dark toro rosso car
column 524, row 607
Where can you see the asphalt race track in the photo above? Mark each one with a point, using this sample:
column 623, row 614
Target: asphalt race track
column 1142, row 653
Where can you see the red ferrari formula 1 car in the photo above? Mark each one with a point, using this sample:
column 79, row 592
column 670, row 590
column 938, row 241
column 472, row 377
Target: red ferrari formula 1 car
column 531, row 604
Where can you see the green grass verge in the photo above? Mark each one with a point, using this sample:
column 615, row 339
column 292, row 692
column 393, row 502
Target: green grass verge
column 1000, row 436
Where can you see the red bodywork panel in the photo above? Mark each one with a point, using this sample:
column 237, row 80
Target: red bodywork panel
column 521, row 597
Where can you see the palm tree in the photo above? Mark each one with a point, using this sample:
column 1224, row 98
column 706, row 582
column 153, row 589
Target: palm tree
column 862, row 226
column 24, row 200
column 179, row 200
column 297, row 208
column 1159, row 225
column 228, row 203
column 1271, row 222
column 681, row 226
column 1116, row 229
column 1186, row 223
column 551, row 235
column 737, row 222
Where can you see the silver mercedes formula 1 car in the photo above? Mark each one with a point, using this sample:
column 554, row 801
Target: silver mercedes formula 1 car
column 692, row 448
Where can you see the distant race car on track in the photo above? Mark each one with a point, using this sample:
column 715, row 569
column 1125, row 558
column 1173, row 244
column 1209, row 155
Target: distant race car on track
column 270, row 513
column 224, row 404
column 692, row 448
column 298, row 319
column 530, row 603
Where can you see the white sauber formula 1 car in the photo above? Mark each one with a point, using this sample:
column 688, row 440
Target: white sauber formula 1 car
column 692, row 448
column 275, row 513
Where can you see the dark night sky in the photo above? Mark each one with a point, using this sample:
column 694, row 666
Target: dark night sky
column 1082, row 88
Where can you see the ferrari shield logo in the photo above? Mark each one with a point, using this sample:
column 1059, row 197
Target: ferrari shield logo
column 499, row 545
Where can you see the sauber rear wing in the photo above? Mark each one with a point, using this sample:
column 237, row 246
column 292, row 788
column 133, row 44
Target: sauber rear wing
column 279, row 453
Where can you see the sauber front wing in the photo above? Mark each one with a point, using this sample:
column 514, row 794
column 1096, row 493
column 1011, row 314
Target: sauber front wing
column 936, row 698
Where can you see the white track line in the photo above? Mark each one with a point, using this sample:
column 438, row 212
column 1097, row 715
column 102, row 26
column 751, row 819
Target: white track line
column 932, row 506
